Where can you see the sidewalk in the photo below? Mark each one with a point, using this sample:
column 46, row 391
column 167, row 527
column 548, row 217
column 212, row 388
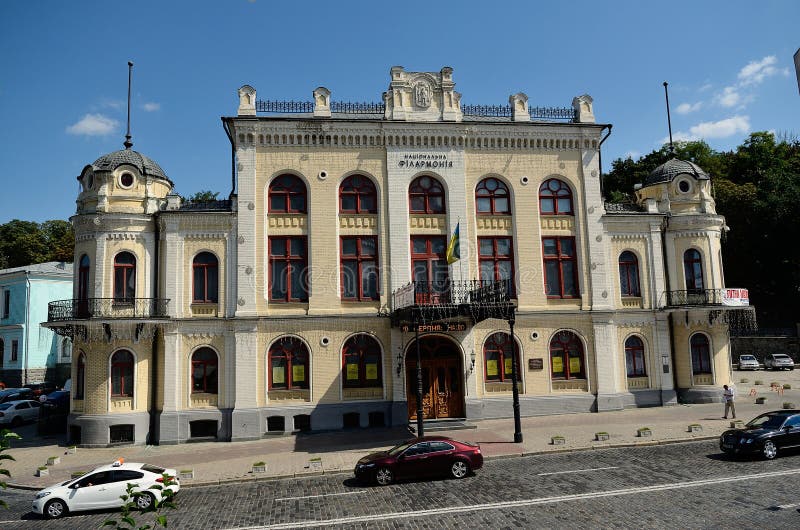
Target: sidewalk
column 300, row 455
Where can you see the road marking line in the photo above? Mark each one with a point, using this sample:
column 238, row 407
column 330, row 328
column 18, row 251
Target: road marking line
column 577, row 471
column 516, row 504
column 788, row 506
column 318, row 496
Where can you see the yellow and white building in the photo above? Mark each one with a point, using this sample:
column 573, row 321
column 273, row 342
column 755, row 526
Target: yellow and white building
column 282, row 309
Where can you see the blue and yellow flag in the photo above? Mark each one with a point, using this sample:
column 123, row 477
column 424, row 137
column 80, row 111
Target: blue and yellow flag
column 454, row 247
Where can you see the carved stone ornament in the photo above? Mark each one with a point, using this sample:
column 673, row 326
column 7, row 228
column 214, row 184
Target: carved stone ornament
column 251, row 206
column 423, row 95
column 241, row 240
column 241, row 301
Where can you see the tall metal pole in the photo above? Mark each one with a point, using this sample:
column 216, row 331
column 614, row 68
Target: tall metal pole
column 669, row 121
column 127, row 143
column 420, row 422
column 514, row 387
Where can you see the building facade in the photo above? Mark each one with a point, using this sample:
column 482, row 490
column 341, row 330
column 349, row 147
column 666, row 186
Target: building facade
column 28, row 352
column 301, row 302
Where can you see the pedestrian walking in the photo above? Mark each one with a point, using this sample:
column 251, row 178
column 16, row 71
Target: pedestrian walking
column 728, row 396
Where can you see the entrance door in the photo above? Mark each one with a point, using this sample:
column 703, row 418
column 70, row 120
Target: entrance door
column 442, row 380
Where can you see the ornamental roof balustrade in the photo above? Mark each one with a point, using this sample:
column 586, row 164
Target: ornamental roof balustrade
column 107, row 308
column 728, row 297
column 215, row 205
column 623, row 207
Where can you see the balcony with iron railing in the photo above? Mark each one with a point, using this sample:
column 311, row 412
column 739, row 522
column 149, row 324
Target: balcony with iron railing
column 475, row 300
column 107, row 308
column 729, row 297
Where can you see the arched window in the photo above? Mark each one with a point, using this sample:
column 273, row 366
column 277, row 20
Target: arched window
column 497, row 357
column 205, row 278
column 426, row 195
column 83, row 278
column 124, row 277
column 693, row 270
column 629, row 274
column 361, row 362
column 634, row 357
column 566, row 356
column 287, row 194
column 491, row 197
column 357, row 195
column 288, row 364
column 555, row 198
column 701, row 354
column 122, row 374
column 66, row 348
column 80, row 376
column 204, row 371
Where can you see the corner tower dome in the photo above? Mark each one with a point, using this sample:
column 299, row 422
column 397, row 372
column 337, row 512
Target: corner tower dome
column 677, row 187
column 670, row 169
column 145, row 165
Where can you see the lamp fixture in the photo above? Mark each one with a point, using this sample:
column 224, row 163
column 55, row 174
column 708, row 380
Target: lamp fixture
column 472, row 358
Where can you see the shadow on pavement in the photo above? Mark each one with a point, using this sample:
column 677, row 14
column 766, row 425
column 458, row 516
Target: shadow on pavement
column 334, row 442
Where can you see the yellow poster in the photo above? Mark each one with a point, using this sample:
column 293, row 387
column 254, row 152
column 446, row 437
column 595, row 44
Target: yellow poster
column 298, row 373
column 558, row 365
column 574, row 365
column 508, row 366
column 352, row 372
column 278, row 375
column 372, row 371
column 491, row 367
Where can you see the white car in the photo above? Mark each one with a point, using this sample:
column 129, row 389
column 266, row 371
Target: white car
column 102, row 487
column 18, row 412
column 778, row 361
column 748, row 362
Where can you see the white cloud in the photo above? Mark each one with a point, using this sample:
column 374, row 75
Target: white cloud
column 686, row 108
column 730, row 97
column 151, row 107
column 714, row 129
column 707, row 86
column 756, row 71
column 93, row 125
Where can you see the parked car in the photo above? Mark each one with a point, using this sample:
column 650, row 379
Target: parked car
column 15, row 394
column 778, row 361
column 102, row 487
column 57, row 399
column 18, row 412
column 41, row 388
column 766, row 435
column 420, row 457
column 748, row 362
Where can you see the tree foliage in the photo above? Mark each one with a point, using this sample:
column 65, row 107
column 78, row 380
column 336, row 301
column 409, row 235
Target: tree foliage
column 26, row 242
column 202, row 196
column 757, row 189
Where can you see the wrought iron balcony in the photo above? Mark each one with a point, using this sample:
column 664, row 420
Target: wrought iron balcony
column 708, row 297
column 442, row 300
column 107, row 308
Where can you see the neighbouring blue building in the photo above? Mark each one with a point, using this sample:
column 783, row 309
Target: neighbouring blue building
column 30, row 353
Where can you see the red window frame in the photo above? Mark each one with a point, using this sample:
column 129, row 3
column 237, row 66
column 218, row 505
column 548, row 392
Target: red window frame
column 80, row 376
column 693, row 270
column 629, row 274
column 359, row 349
column 122, row 367
column 552, row 192
column 83, row 278
column 287, row 187
column 14, row 350
column 361, row 259
column 495, row 258
column 206, row 360
column 494, row 191
column 567, row 346
column 560, row 257
column 207, row 265
column 124, row 278
column 293, row 353
column 434, row 261
column 426, row 187
column 291, row 261
column 496, row 346
column 701, row 354
column 362, row 190
column 634, row 357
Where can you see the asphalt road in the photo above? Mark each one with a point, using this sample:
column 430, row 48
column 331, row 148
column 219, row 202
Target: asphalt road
column 687, row 485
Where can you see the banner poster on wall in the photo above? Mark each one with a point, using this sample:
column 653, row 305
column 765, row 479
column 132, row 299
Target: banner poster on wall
column 278, row 375
column 508, row 366
column 558, row 365
column 298, row 373
column 491, row 367
column 352, row 371
column 372, row 371
column 574, row 365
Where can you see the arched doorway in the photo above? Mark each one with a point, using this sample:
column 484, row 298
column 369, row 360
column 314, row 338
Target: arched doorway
column 442, row 378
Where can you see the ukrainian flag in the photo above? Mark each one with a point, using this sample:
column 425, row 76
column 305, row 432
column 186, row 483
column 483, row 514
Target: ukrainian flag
column 454, row 247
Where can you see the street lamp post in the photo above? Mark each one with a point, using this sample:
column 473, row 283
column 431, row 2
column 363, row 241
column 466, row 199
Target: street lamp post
column 420, row 424
column 514, row 386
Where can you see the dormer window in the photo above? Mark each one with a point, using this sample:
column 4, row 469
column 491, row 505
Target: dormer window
column 90, row 181
column 684, row 186
column 126, row 180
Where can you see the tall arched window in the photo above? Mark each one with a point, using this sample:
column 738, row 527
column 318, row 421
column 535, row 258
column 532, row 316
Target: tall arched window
column 491, row 197
column 693, row 270
column 124, row 277
column 122, row 374
column 701, row 354
column 634, row 357
column 287, row 194
column 205, row 278
column 361, row 362
column 83, row 278
column 80, row 376
column 555, row 198
column 499, row 351
column 288, row 364
column 204, row 371
column 629, row 274
column 357, row 195
column 426, row 195
column 566, row 356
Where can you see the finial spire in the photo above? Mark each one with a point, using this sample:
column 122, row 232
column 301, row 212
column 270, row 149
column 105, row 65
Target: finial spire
column 669, row 121
column 127, row 143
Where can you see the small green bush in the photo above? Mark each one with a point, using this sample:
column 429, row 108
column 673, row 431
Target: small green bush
column 42, row 468
column 787, row 386
column 758, row 382
column 259, row 464
column 788, row 405
column 744, row 380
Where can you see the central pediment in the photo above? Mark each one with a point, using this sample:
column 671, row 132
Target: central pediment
column 422, row 96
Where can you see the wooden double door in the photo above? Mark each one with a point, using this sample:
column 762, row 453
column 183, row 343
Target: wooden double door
column 442, row 381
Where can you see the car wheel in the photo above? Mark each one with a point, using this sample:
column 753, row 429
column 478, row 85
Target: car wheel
column 55, row 509
column 459, row 469
column 145, row 501
column 769, row 450
column 384, row 476
column 16, row 422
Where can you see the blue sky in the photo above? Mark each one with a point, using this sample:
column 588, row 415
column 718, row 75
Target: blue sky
column 63, row 73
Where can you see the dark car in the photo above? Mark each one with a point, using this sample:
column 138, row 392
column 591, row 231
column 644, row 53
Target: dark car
column 15, row 394
column 420, row 457
column 57, row 399
column 41, row 388
column 766, row 435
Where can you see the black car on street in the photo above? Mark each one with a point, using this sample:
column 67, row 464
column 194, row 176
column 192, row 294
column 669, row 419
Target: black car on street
column 765, row 435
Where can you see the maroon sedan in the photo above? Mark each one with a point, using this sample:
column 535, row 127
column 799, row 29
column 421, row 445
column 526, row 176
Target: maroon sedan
column 420, row 457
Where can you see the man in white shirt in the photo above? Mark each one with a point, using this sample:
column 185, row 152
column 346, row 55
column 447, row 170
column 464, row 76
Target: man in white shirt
column 728, row 395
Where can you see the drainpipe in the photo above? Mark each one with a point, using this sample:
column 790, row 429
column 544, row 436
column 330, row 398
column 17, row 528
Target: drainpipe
column 233, row 155
column 27, row 325
column 154, row 343
column 600, row 158
column 670, row 319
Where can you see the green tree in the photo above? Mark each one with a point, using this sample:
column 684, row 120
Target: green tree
column 5, row 443
column 203, row 196
column 27, row 243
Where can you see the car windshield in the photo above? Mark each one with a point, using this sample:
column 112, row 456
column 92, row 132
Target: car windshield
column 746, row 358
column 4, row 406
column 396, row 450
column 767, row 421
column 781, row 357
